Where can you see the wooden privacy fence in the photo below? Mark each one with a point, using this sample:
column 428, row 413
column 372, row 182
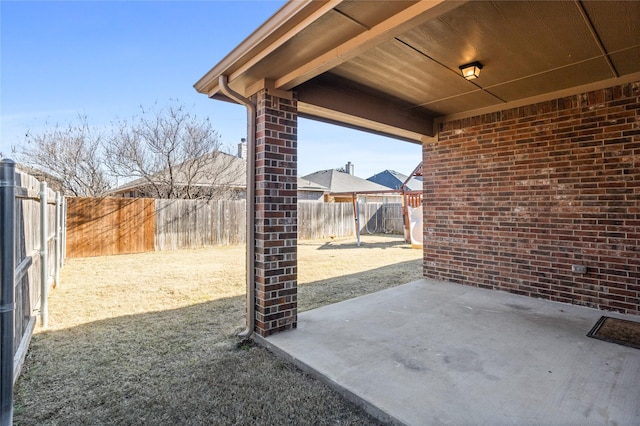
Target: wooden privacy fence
column 195, row 223
column 379, row 218
column 324, row 220
column 32, row 253
column 107, row 226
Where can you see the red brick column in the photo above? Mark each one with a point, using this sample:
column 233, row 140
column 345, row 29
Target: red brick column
column 276, row 237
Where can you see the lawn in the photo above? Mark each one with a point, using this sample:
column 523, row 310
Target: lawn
column 151, row 339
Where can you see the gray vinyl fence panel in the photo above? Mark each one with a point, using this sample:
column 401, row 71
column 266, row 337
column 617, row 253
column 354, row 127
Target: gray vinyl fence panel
column 28, row 260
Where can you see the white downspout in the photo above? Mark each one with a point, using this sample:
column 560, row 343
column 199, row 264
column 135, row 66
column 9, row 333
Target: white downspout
column 251, row 214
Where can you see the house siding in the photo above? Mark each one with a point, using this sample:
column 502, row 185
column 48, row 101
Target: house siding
column 276, row 270
column 515, row 199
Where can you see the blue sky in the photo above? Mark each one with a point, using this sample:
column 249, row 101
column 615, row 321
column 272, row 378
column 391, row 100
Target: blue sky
column 104, row 59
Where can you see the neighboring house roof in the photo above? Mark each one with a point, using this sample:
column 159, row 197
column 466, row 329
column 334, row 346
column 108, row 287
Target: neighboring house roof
column 394, row 180
column 307, row 185
column 238, row 178
column 230, row 171
column 54, row 183
column 338, row 181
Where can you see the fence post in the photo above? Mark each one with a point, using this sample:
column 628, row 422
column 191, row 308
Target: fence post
column 7, row 272
column 57, row 241
column 44, row 268
column 63, row 246
column 356, row 216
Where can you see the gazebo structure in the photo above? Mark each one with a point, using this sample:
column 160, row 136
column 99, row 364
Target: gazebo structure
column 528, row 114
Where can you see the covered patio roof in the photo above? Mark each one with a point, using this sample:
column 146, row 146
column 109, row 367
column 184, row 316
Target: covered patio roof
column 393, row 67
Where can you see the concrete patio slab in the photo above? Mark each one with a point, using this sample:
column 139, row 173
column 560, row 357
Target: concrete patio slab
column 430, row 352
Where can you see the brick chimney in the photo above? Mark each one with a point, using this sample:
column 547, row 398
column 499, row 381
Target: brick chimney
column 242, row 149
column 349, row 168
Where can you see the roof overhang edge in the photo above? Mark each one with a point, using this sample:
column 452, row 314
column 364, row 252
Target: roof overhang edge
column 285, row 16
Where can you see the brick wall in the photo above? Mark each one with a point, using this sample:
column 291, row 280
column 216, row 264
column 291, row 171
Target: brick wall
column 514, row 199
column 276, row 214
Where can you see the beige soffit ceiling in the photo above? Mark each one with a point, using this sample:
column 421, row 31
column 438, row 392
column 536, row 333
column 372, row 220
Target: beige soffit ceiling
column 392, row 67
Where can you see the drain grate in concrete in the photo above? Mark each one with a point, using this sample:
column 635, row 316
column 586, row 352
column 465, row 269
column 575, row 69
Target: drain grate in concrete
column 622, row 332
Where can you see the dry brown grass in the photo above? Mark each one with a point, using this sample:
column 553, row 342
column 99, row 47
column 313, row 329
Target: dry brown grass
column 151, row 339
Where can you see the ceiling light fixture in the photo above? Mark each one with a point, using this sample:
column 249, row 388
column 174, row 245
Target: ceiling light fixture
column 471, row 71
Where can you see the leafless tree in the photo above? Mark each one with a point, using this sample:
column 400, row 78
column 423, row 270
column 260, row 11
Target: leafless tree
column 71, row 155
column 173, row 154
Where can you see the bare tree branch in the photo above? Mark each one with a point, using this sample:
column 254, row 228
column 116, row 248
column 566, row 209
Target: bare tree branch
column 169, row 150
column 174, row 154
column 71, row 155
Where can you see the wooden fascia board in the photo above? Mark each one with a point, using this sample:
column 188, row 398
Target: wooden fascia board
column 253, row 42
column 297, row 28
column 344, row 120
column 341, row 98
column 259, row 42
column 408, row 18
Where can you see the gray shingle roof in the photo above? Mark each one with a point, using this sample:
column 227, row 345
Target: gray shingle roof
column 307, row 185
column 393, row 180
column 234, row 172
column 343, row 182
